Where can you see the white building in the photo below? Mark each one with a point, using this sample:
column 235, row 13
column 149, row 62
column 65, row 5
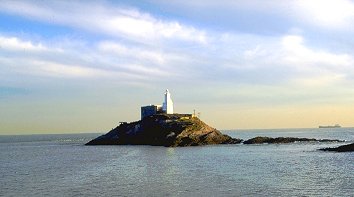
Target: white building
column 167, row 105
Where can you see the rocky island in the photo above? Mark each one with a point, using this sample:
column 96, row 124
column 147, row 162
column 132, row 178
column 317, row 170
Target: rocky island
column 160, row 126
column 344, row 148
column 168, row 130
column 283, row 140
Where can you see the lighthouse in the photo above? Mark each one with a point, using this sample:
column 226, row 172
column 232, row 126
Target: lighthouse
column 166, row 108
column 167, row 105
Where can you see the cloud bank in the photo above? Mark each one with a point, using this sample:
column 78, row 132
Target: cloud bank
column 246, row 54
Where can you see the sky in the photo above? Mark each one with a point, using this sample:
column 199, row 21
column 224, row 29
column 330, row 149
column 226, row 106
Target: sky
column 84, row 66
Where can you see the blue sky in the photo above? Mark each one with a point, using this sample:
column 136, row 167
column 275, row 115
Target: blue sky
column 83, row 66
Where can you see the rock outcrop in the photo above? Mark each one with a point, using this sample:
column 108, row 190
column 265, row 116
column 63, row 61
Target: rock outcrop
column 281, row 140
column 168, row 130
column 344, row 148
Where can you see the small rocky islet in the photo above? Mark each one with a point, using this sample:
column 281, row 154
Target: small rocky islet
column 343, row 148
column 284, row 140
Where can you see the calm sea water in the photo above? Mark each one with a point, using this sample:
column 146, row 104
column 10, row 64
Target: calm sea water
column 60, row 165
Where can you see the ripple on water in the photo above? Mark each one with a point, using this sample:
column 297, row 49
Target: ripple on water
column 61, row 167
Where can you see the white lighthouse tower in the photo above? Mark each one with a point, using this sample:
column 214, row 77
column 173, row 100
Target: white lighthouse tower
column 167, row 105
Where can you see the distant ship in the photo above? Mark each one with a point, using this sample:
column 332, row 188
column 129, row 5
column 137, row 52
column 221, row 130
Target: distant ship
column 330, row 126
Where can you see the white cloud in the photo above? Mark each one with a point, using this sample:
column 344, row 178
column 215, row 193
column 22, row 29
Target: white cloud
column 65, row 70
column 251, row 53
column 300, row 64
column 114, row 21
column 107, row 60
column 14, row 44
column 297, row 54
column 38, row 67
column 152, row 72
column 326, row 13
column 132, row 52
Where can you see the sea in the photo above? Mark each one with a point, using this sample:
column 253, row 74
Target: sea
column 61, row 165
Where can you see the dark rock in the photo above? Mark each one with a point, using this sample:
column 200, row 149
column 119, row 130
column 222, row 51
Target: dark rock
column 281, row 140
column 164, row 130
column 344, row 148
